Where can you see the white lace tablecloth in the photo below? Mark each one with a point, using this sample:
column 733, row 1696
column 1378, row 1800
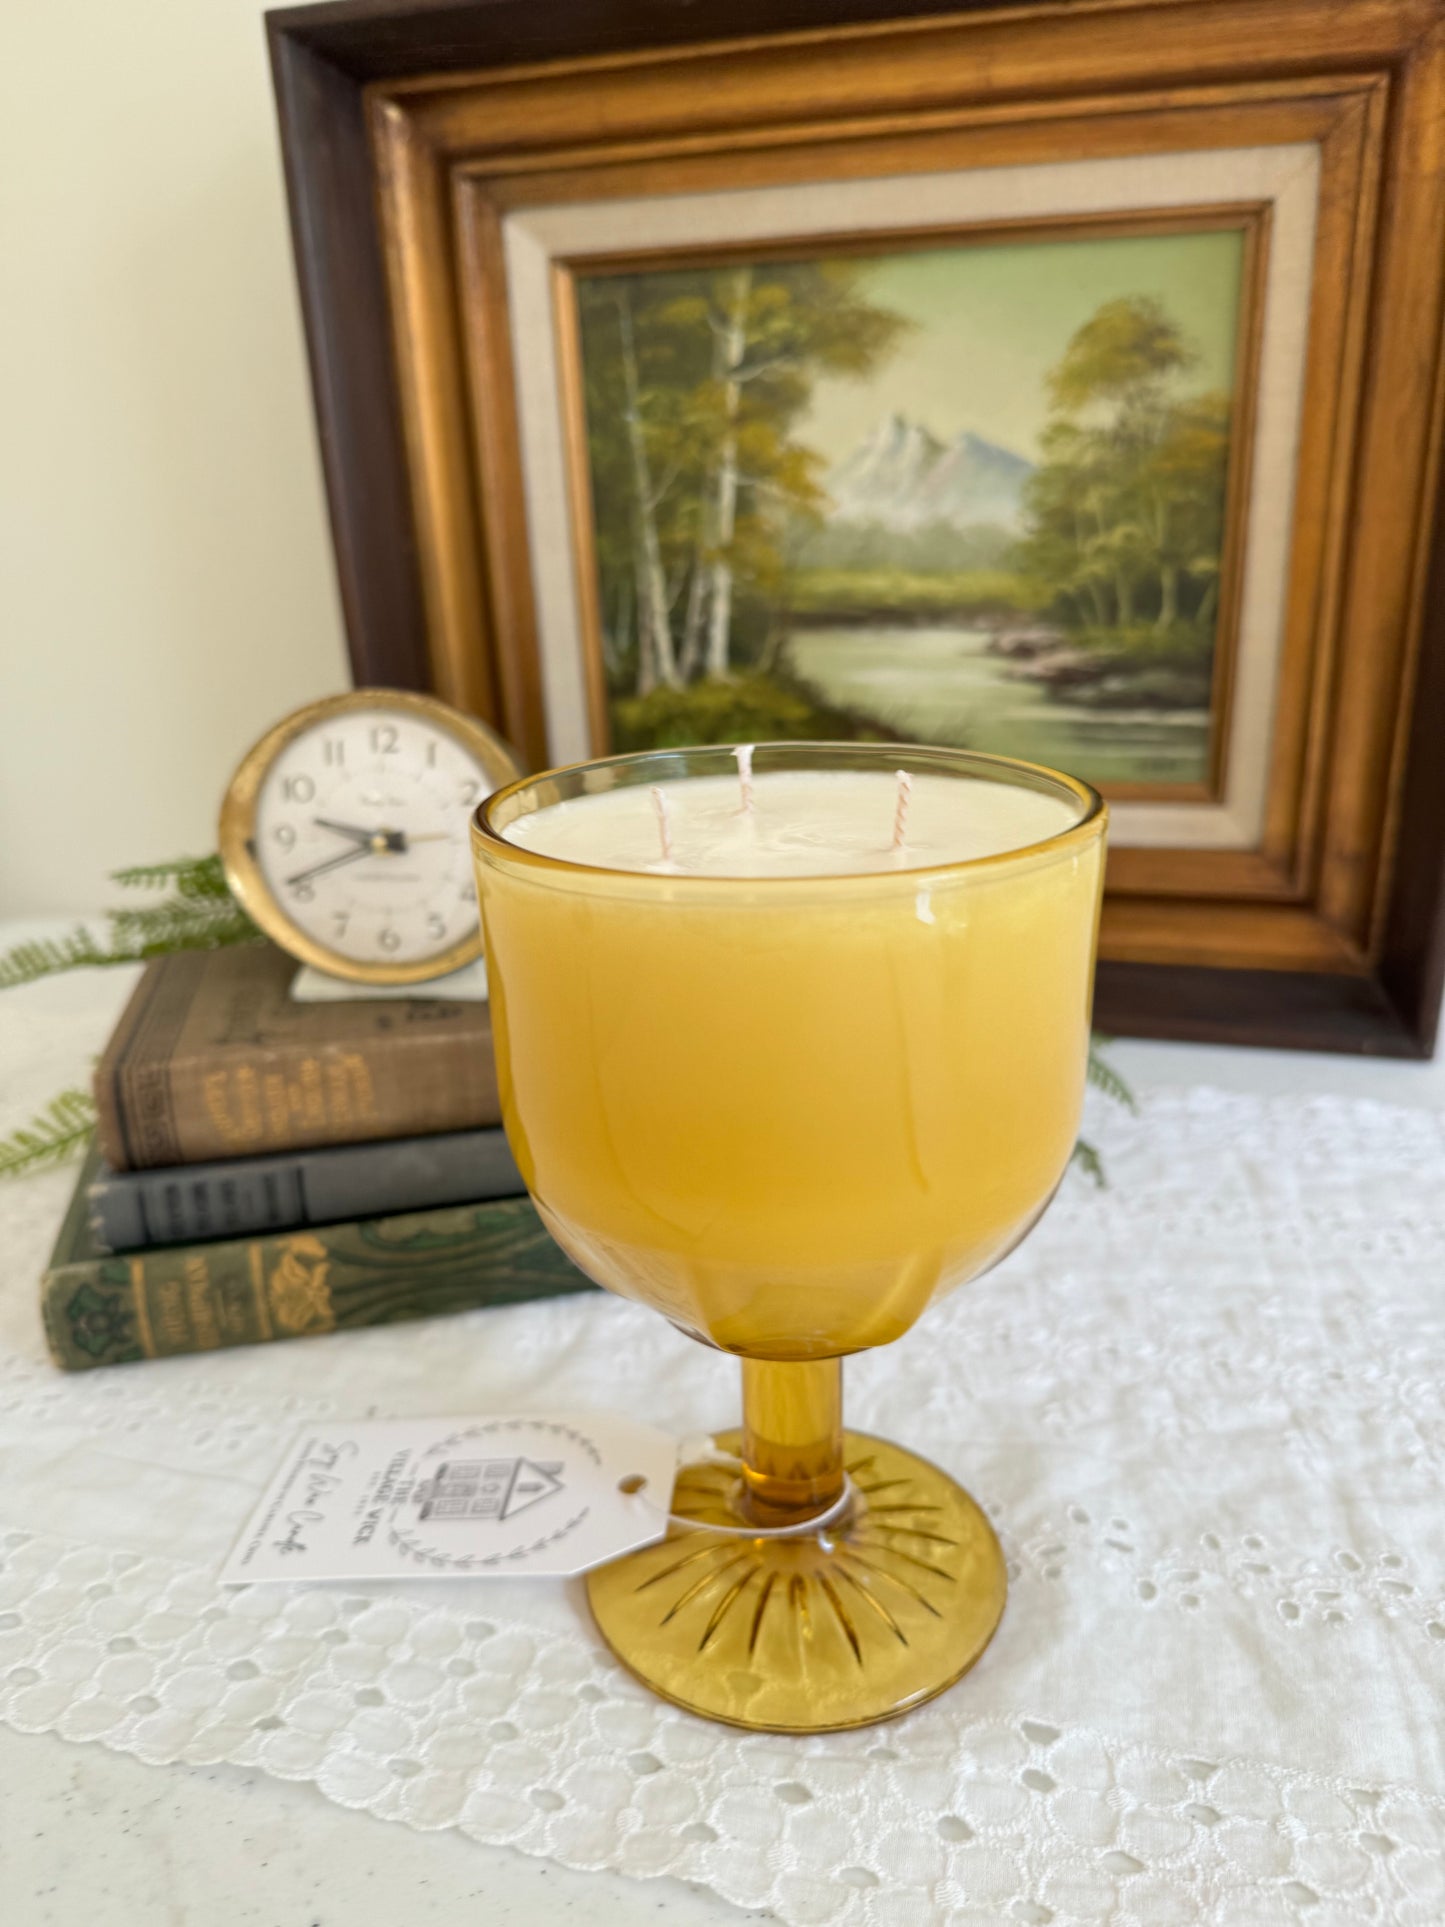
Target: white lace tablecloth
column 1204, row 1409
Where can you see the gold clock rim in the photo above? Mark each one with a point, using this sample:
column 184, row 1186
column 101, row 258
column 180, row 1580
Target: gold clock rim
column 238, row 824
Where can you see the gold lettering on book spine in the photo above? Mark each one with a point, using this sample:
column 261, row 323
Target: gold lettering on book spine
column 257, row 1266
column 142, row 1307
column 247, row 1108
column 201, row 1304
column 298, row 1104
column 278, row 1104
column 299, row 1294
column 311, row 1096
column 350, row 1095
column 168, row 1316
column 233, row 1104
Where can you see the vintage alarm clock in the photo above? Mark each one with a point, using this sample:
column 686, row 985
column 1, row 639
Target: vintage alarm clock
column 344, row 834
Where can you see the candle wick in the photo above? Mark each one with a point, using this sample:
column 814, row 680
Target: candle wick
column 664, row 822
column 744, row 754
column 900, row 812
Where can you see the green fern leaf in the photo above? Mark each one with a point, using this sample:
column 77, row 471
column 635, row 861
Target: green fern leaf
column 196, row 878
column 1105, row 1078
column 204, row 878
column 147, row 876
column 43, row 956
column 58, row 1133
column 1089, row 1161
column 178, row 925
column 158, row 876
column 200, row 915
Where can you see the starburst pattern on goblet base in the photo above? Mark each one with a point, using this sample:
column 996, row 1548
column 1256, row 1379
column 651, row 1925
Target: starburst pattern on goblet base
column 856, row 1623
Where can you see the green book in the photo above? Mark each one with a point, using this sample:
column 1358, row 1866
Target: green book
column 101, row 1309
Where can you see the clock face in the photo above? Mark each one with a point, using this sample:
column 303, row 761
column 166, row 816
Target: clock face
column 359, row 834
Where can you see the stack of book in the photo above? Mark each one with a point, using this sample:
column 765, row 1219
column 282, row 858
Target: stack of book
column 265, row 1168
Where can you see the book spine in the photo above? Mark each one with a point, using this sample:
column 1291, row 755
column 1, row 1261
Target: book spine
column 134, row 1109
column 196, row 1109
column 242, row 1197
column 195, row 1298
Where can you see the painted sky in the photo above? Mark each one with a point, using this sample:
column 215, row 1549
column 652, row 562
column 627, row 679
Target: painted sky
column 989, row 322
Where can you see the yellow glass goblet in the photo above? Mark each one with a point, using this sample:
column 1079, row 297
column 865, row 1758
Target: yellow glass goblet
column 789, row 1111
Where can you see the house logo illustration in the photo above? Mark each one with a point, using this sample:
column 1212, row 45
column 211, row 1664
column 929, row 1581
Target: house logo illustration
column 470, row 1489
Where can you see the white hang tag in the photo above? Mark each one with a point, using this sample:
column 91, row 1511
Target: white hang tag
column 519, row 1495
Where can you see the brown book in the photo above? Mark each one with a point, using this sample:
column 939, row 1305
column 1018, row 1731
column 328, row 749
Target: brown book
column 212, row 1059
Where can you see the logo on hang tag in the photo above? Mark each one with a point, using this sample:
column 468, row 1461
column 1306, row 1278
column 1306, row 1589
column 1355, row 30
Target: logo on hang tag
column 462, row 1494
column 520, row 1494
column 488, row 1488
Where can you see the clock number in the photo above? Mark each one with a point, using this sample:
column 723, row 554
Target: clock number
column 285, row 835
column 471, row 790
column 468, row 893
column 389, row 940
column 298, row 789
column 333, row 751
column 431, row 753
column 436, row 926
column 383, row 738
column 341, row 918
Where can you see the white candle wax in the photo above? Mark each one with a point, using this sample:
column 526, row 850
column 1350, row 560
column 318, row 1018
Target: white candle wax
column 801, row 823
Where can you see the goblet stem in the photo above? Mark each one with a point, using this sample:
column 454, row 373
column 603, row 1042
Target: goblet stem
column 792, row 1444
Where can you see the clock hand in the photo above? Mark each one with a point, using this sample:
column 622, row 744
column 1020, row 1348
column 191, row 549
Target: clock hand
column 369, row 843
column 398, row 842
column 332, row 863
column 342, row 829
column 379, row 842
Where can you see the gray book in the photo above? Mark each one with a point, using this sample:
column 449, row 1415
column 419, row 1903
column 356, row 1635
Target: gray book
column 134, row 1210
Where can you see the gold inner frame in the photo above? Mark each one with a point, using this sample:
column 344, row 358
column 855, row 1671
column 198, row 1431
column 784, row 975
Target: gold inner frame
column 238, row 829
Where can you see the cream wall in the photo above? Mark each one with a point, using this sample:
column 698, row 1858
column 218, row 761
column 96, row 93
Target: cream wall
column 166, row 585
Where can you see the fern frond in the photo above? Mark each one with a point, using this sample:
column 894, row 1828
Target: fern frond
column 146, row 876
column 42, row 956
column 179, row 926
column 201, row 915
column 58, row 1133
column 130, row 944
column 203, row 878
column 193, row 875
column 1088, row 1159
column 1105, row 1078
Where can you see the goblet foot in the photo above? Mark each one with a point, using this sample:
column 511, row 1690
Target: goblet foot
column 841, row 1627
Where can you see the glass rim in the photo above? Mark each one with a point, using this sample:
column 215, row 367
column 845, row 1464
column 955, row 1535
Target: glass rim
column 484, row 836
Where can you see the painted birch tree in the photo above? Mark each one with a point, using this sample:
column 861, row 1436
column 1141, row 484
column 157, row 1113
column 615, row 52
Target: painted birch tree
column 695, row 384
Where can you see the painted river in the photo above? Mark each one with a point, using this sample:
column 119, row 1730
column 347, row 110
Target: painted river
column 943, row 686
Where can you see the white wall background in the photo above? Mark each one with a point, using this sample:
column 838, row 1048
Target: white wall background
column 166, row 585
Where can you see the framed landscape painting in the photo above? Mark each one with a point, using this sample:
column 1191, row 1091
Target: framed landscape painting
column 976, row 494
column 973, row 376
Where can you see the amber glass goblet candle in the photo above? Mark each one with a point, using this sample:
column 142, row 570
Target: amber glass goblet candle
column 791, row 1042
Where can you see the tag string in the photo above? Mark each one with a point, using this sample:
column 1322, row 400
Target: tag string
column 804, row 1530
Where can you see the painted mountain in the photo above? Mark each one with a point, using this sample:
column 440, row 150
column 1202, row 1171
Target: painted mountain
column 903, row 478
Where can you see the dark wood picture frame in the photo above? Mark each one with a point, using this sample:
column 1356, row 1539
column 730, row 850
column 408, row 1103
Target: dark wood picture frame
column 409, row 127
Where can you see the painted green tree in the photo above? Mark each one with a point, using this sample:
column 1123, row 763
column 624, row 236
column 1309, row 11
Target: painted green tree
column 695, row 382
column 1126, row 509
